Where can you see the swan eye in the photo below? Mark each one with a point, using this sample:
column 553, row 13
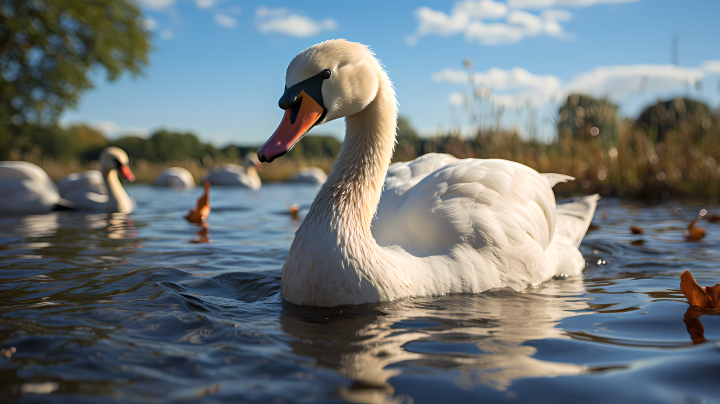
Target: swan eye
column 326, row 74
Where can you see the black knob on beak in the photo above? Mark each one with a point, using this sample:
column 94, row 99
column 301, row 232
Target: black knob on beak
column 288, row 100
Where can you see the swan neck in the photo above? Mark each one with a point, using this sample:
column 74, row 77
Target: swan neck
column 116, row 192
column 355, row 184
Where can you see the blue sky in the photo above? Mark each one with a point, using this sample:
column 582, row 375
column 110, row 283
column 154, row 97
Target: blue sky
column 218, row 65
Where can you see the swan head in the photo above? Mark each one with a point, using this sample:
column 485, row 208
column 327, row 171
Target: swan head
column 115, row 158
column 327, row 81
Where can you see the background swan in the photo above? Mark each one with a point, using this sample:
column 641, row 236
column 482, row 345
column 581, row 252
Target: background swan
column 177, row 178
column 235, row 175
column 101, row 191
column 309, row 175
column 26, row 189
column 458, row 225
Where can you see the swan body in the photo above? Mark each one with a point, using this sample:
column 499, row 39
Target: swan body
column 309, row 175
column 441, row 225
column 88, row 181
column 235, row 175
column 101, row 191
column 26, row 189
column 175, row 177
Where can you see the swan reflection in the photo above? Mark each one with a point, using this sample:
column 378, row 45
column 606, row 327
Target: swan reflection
column 45, row 225
column 481, row 336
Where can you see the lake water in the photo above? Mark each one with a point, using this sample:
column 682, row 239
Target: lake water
column 100, row 308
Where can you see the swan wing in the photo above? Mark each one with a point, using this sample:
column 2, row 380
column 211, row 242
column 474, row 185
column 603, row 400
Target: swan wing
column 573, row 219
column 26, row 188
column 233, row 175
column 554, row 179
column 175, row 177
column 88, row 181
column 437, row 202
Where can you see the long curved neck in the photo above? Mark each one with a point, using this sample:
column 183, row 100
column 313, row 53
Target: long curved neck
column 116, row 192
column 349, row 197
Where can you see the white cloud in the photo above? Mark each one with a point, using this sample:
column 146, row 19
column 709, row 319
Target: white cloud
column 562, row 3
column 225, row 21
column 556, row 15
column 166, row 35
column 150, row 24
column 471, row 18
column 205, row 3
column 439, row 23
column 485, row 9
column 518, row 87
column 457, row 98
column 626, row 80
column 711, row 66
column 282, row 21
column 156, row 4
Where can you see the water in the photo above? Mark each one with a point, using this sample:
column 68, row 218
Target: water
column 114, row 308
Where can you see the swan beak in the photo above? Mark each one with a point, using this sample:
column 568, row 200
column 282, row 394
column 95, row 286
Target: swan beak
column 126, row 173
column 297, row 120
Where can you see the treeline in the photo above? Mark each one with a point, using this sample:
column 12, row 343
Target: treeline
column 672, row 148
column 83, row 144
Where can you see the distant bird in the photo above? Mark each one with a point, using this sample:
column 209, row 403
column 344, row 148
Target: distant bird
column 436, row 225
column 694, row 233
column 101, row 191
column 27, row 189
column 201, row 212
column 177, row 178
column 294, row 209
column 310, row 175
column 235, row 175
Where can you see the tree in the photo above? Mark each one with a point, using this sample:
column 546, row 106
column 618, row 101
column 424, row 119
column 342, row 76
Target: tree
column 47, row 49
column 584, row 118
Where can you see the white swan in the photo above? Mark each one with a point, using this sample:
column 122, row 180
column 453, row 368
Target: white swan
column 177, row 178
column 26, row 189
column 235, row 175
column 101, row 191
column 309, row 175
column 443, row 225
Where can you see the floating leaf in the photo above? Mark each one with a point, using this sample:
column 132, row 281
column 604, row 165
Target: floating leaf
column 703, row 297
column 202, row 211
column 694, row 233
column 636, row 230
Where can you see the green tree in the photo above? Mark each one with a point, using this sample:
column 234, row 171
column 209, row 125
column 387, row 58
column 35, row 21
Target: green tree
column 47, row 49
column 317, row 146
column 581, row 113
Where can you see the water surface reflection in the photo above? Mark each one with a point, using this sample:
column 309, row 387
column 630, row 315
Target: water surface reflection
column 148, row 308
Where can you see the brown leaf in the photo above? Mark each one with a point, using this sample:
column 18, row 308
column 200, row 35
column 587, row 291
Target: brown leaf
column 703, row 297
column 202, row 211
column 694, row 233
column 636, row 230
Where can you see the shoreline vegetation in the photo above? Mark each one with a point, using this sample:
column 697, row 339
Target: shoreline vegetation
column 671, row 150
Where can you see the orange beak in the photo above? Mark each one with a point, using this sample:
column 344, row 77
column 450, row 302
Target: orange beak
column 126, row 173
column 295, row 123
